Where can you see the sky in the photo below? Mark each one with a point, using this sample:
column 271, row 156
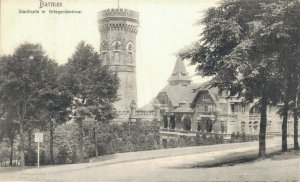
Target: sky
column 166, row 26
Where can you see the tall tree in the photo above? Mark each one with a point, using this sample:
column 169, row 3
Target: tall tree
column 280, row 28
column 55, row 103
column 22, row 77
column 296, row 115
column 8, row 129
column 232, row 50
column 94, row 87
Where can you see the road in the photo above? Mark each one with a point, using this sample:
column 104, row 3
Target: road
column 174, row 167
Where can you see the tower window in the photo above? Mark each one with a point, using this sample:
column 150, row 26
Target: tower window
column 104, row 46
column 117, row 57
column 130, row 52
column 104, row 58
column 130, row 57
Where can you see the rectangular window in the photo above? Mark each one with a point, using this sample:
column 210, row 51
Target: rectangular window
column 220, row 92
column 117, row 57
column 243, row 107
column 211, row 108
column 206, row 107
column 232, row 107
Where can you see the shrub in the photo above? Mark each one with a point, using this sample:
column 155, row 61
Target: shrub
column 172, row 143
column 127, row 147
column 151, row 142
column 248, row 138
column 232, row 137
column 30, row 157
column 198, row 139
column 62, row 156
column 142, row 144
column 112, row 147
column 181, row 141
column 204, row 139
column 190, row 141
column 221, row 139
column 165, row 143
column 237, row 136
column 244, row 137
column 211, row 139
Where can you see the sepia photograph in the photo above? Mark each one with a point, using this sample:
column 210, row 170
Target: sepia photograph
column 149, row 90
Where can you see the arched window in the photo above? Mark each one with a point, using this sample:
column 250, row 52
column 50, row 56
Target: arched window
column 116, row 47
column 130, row 52
column 104, row 46
column 208, row 125
column 172, row 122
column 202, row 125
column 187, row 124
column 165, row 121
column 255, row 109
column 250, row 126
column 255, row 126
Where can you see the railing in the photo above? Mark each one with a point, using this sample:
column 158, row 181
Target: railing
column 189, row 131
column 144, row 112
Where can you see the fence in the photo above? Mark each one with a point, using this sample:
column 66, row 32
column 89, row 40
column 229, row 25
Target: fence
column 6, row 163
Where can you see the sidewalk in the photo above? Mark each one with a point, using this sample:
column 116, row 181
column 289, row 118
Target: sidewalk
column 273, row 145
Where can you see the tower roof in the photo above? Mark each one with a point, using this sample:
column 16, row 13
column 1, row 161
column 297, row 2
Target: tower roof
column 179, row 75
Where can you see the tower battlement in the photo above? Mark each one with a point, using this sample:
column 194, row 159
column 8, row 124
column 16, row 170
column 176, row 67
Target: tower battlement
column 118, row 13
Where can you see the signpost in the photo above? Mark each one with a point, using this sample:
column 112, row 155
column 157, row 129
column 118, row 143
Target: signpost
column 38, row 137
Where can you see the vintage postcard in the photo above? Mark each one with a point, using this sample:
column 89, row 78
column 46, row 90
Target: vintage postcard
column 149, row 90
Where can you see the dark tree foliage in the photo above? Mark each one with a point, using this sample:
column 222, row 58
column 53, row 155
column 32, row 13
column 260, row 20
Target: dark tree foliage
column 93, row 86
column 55, row 103
column 23, row 76
column 243, row 46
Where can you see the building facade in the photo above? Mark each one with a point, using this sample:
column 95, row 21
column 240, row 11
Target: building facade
column 188, row 109
column 182, row 107
column 118, row 29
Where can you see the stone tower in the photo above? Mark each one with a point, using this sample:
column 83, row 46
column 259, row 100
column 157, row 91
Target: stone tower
column 118, row 29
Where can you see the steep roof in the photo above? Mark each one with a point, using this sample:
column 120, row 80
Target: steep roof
column 179, row 93
column 179, row 73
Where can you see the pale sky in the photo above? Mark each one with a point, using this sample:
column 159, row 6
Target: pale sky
column 166, row 26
